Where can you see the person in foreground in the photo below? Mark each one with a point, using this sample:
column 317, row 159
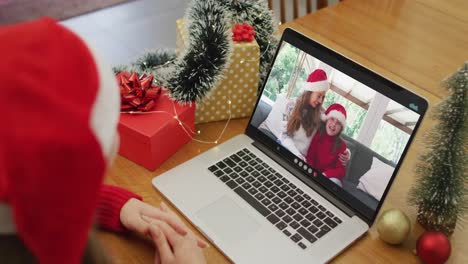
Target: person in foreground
column 60, row 109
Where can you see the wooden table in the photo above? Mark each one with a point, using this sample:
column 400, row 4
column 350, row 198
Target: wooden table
column 415, row 43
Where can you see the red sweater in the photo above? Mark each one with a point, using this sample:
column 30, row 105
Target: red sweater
column 319, row 156
column 110, row 202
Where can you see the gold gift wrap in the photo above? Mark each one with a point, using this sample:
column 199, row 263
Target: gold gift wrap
column 237, row 91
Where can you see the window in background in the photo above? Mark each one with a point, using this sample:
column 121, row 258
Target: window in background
column 355, row 113
column 389, row 141
column 285, row 65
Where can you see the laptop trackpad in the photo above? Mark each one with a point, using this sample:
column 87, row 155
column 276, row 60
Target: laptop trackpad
column 229, row 222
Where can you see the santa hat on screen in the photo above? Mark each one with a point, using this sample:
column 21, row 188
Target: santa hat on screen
column 317, row 81
column 60, row 109
column 337, row 111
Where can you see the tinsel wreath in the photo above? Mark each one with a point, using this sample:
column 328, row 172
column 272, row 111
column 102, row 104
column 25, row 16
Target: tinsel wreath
column 191, row 76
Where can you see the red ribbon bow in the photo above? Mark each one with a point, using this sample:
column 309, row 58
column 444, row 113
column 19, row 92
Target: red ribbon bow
column 243, row 32
column 137, row 93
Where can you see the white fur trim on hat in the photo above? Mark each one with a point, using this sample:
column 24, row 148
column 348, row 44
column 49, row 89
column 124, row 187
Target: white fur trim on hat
column 338, row 115
column 320, row 86
column 323, row 117
column 106, row 108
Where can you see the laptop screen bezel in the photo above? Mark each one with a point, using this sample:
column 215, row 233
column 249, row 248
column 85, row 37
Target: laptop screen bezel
column 367, row 77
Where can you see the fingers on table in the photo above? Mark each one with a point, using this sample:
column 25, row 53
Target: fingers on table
column 171, row 219
column 162, row 243
column 165, row 208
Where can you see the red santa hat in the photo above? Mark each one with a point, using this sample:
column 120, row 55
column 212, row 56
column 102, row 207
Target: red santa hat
column 60, row 109
column 337, row 111
column 317, row 81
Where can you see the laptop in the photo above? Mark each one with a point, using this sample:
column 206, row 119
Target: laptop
column 258, row 202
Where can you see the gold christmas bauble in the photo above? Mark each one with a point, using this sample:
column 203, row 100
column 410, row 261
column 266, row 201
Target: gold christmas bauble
column 393, row 226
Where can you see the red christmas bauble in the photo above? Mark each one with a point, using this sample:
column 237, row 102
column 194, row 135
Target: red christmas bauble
column 433, row 247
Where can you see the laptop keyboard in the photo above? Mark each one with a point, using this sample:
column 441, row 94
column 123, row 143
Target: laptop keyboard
column 296, row 214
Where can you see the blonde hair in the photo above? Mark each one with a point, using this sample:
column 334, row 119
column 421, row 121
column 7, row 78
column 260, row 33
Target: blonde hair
column 303, row 114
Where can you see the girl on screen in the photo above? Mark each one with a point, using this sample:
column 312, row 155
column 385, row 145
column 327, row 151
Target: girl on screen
column 326, row 145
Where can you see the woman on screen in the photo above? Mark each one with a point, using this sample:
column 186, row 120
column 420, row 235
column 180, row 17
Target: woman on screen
column 304, row 119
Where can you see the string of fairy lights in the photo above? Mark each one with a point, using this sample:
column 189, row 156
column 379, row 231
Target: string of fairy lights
column 186, row 128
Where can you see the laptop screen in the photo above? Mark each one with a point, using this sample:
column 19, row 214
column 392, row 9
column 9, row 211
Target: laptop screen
column 346, row 131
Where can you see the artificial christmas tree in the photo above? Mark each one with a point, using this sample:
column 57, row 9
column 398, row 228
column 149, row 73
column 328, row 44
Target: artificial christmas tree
column 441, row 193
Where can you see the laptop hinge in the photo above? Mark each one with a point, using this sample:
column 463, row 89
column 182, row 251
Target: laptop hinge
column 301, row 176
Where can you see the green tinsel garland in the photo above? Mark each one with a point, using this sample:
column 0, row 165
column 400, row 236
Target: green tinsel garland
column 207, row 56
column 191, row 76
column 149, row 62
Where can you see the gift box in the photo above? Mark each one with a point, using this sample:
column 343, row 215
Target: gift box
column 150, row 138
column 239, row 85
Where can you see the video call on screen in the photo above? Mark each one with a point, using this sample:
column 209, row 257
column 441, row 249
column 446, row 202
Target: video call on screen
column 345, row 130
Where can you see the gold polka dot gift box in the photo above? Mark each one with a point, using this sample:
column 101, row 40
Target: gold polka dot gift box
column 236, row 94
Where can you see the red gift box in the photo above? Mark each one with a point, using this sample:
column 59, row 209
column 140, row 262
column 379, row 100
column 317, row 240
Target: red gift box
column 151, row 138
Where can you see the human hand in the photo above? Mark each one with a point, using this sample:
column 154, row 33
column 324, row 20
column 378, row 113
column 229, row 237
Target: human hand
column 344, row 157
column 137, row 216
column 166, row 209
column 174, row 248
